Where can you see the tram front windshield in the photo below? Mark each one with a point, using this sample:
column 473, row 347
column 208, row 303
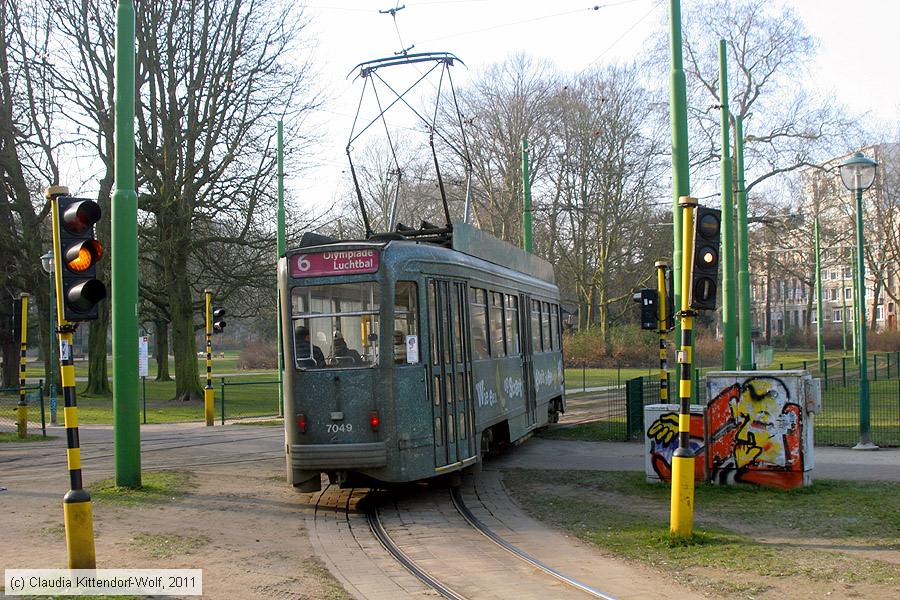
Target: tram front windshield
column 335, row 326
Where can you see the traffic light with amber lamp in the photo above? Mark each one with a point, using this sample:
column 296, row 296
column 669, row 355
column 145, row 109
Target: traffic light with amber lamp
column 648, row 299
column 218, row 315
column 80, row 252
column 705, row 271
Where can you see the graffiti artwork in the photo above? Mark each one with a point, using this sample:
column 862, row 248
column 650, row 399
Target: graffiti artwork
column 663, row 436
column 754, row 434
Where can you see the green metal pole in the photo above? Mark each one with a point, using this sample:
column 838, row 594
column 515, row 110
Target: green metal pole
column 280, row 245
column 743, row 249
column 126, row 406
column 729, row 294
column 820, row 343
column 855, row 298
column 865, row 439
column 681, row 182
column 526, row 207
column 843, row 309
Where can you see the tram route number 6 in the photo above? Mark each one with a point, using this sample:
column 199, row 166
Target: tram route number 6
column 339, row 427
column 303, row 263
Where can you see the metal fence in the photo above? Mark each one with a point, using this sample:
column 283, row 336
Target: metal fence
column 9, row 403
column 248, row 399
column 837, row 424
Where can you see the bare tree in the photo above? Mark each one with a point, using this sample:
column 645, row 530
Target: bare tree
column 214, row 78
column 769, row 49
column 605, row 168
column 29, row 110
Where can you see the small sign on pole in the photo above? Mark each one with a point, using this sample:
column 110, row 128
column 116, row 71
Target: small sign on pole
column 143, row 365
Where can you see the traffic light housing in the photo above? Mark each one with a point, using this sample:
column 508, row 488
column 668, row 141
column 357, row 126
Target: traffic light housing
column 79, row 253
column 705, row 268
column 218, row 315
column 649, row 301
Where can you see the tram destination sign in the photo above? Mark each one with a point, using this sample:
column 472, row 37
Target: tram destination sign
column 348, row 262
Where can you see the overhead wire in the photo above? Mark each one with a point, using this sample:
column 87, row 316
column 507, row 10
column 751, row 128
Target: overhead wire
column 621, row 37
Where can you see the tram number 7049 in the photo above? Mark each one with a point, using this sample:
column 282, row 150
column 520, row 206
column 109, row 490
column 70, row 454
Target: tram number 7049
column 339, row 427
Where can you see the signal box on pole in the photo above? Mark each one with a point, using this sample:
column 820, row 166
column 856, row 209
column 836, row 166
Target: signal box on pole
column 79, row 252
column 705, row 267
column 648, row 299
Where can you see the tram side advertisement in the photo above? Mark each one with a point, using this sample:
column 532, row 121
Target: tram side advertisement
column 350, row 262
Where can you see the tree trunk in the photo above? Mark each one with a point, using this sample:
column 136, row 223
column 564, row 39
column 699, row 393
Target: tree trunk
column 98, row 377
column 184, row 347
column 9, row 345
column 161, row 349
column 98, row 380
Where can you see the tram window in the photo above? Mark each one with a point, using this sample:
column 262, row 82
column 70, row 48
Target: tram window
column 557, row 334
column 406, row 329
column 512, row 325
column 545, row 327
column 433, row 324
column 498, row 341
column 335, row 326
column 478, row 315
column 535, row 326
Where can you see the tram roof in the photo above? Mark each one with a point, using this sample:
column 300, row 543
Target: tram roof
column 465, row 238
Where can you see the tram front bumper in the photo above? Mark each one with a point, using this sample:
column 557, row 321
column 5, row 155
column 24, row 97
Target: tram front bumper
column 338, row 456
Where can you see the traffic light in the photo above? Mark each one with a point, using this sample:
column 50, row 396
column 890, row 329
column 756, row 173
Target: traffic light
column 81, row 291
column 705, row 271
column 219, row 323
column 648, row 300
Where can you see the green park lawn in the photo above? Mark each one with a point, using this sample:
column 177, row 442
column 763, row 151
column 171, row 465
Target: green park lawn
column 747, row 538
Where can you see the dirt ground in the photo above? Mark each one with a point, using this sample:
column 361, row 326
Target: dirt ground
column 243, row 526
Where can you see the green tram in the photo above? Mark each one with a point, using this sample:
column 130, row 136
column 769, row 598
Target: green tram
column 408, row 359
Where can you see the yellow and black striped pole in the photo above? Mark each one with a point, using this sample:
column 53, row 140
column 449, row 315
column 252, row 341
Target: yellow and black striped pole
column 663, row 331
column 208, row 392
column 682, row 509
column 22, row 407
column 77, row 514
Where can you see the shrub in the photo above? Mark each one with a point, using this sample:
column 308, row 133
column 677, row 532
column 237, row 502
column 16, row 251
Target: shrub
column 258, row 355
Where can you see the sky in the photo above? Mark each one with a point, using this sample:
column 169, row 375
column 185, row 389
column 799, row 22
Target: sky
column 858, row 46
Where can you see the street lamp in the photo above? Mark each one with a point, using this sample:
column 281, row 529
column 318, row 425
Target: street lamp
column 858, row 175
column 47, row 265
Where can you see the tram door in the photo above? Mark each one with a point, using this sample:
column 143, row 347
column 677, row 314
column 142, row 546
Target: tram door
column 450, row 372
column 526, row 325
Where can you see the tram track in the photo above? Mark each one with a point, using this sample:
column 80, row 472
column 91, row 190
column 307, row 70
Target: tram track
column 460, row 506
column 415, row 519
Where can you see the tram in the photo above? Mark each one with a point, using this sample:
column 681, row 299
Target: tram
column 409, row 355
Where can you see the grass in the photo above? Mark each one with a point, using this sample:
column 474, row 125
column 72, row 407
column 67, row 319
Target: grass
column 259, row 398
column 13, row 437
column 168, row 545
column 269, row 423
column 228, row 364
column 158, row 487
column 623, row 514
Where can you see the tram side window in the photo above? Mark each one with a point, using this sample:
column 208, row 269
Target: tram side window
column 512, row 325
column 535, row 326
column 545, row 326
column 557, row 334
column 478, row 315
column 335, row 326
column 498, row 340
column 406, row 328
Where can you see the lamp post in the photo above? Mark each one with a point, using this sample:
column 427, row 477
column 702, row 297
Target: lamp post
column 47, row 265
column 858, row 175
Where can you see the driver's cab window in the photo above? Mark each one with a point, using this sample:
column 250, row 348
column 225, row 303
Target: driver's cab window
column 335, row 326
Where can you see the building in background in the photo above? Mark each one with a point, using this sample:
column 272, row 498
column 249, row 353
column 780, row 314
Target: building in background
column 783, row 295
